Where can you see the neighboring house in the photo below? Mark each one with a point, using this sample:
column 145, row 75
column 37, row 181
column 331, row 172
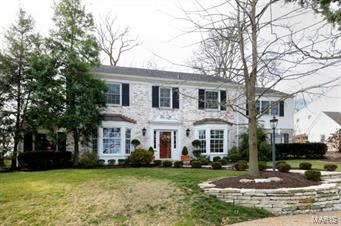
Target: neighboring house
column 168, row 110
column 320, row 118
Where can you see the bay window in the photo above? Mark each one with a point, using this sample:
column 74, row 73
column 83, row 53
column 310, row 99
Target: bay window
column 128, row 141
column 202, row 138
column 111, row 140
column 217, row 141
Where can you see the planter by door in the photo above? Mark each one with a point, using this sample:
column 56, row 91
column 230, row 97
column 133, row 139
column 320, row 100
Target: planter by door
column 165, row 145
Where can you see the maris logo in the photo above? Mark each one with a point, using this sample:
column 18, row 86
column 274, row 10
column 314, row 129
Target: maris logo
column 325, row 220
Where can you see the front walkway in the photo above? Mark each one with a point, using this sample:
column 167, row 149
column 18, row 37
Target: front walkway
column 320, row 218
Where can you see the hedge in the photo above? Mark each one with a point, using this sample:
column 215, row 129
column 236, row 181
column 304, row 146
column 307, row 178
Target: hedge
column 41, row 160
column 301, row 151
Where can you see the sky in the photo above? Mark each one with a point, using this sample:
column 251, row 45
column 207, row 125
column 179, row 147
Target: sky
column 156, row 23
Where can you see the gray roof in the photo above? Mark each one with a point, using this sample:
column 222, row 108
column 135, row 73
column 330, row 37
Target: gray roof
column 336, row 116
column 158, row 74
column 171, row 75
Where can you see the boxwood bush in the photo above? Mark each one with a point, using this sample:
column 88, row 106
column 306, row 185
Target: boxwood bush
column 301, row 151
column 262, row 166
column 204, row 161
column 122, row 162
column 305, row 165
column 241, row 165
column 157, row 162
column 283, row 167
column 223, row 162
column 216, row 159
column 40, row 160
column 216, row 165
column 196, row 164
column 178, row 164
column 111, row 162
column 89, row 160
column 167, row 163
column 330, row 167
column 313, row 175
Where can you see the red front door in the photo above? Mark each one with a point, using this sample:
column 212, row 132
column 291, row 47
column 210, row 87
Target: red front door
column 165, row 145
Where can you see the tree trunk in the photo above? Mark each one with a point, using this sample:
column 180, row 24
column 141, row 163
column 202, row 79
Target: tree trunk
column 76, row 148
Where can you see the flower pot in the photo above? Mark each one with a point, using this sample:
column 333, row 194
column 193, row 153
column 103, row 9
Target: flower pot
column 184, row 158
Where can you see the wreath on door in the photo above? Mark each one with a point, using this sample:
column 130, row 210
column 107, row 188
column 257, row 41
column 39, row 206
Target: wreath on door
column 166, row 139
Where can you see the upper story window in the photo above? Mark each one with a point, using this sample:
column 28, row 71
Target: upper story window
column 113, row 94
column 268, row 108
column 265, row 107
column 165, row 97
column 211, row 100
column 118, row 94
column 274, row 108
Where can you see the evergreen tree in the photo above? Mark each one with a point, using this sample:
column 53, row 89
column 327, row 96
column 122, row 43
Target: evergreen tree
column 74, row 46
column 21, row 42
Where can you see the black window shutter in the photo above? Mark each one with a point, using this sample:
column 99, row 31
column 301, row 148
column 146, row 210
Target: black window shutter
column 247, row 109
column 281, row 108
column 222, row 100
column 155, row 96
column 125, row 94
column 175, row 97
column 201, row 101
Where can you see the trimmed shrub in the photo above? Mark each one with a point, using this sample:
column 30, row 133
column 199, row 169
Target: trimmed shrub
column 37, row 160
column 313, row 175
column 330, row 167
column 184, row 151
column 122, row 162
column 262, row 166
column 279, row 162
column 135, row 143
column 196, row 164
column 151, row 149
column 111, row 162
column 241, row 165
column 204, row 161
column 140, row 157
column 167, row 163
column 283, row 167
column 223, row 162
column 301, row 151
column 157, row 162
column 216, row 165
column 216, row 159
column 305, row 165
column 88, row 160
column 101, row 162
column 234, row 155
column 178, row 164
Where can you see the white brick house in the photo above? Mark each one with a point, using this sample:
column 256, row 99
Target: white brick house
column 165, row 110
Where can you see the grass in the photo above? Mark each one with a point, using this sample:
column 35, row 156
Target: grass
column 122, row 196
column 316, row 164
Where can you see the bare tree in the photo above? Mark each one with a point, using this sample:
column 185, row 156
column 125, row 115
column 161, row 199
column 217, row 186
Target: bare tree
column 244, row 42
column 113, row 40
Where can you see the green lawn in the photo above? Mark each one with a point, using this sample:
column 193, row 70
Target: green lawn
column 122, row 196
column 316, row 164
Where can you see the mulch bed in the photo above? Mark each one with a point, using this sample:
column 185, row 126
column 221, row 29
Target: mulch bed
column 289, row 180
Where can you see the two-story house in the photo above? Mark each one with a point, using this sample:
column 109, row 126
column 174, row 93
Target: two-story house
column 168, row 110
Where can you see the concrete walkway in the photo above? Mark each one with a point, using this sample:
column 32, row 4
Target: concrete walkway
column 320, row 218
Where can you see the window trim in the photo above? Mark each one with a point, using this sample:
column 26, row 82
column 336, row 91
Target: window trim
column 170, row 95
column 218, row 100
column 115, row 83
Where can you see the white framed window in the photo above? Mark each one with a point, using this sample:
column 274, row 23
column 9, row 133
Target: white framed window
column 128, row 141
column 111, row 140
column 165, row 97
column 265, row 107
column 202, row 138
column 274, row 108
column 217, row 141
column 113, row 94
column 211, row 100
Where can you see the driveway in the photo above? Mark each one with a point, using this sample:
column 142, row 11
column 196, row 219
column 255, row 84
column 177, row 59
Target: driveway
column 321, row 218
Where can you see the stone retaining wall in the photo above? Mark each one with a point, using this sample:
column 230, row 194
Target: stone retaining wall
column 324, row 197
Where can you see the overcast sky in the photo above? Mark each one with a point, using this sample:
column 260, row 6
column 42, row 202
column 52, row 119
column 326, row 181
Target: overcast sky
column 151, row 20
